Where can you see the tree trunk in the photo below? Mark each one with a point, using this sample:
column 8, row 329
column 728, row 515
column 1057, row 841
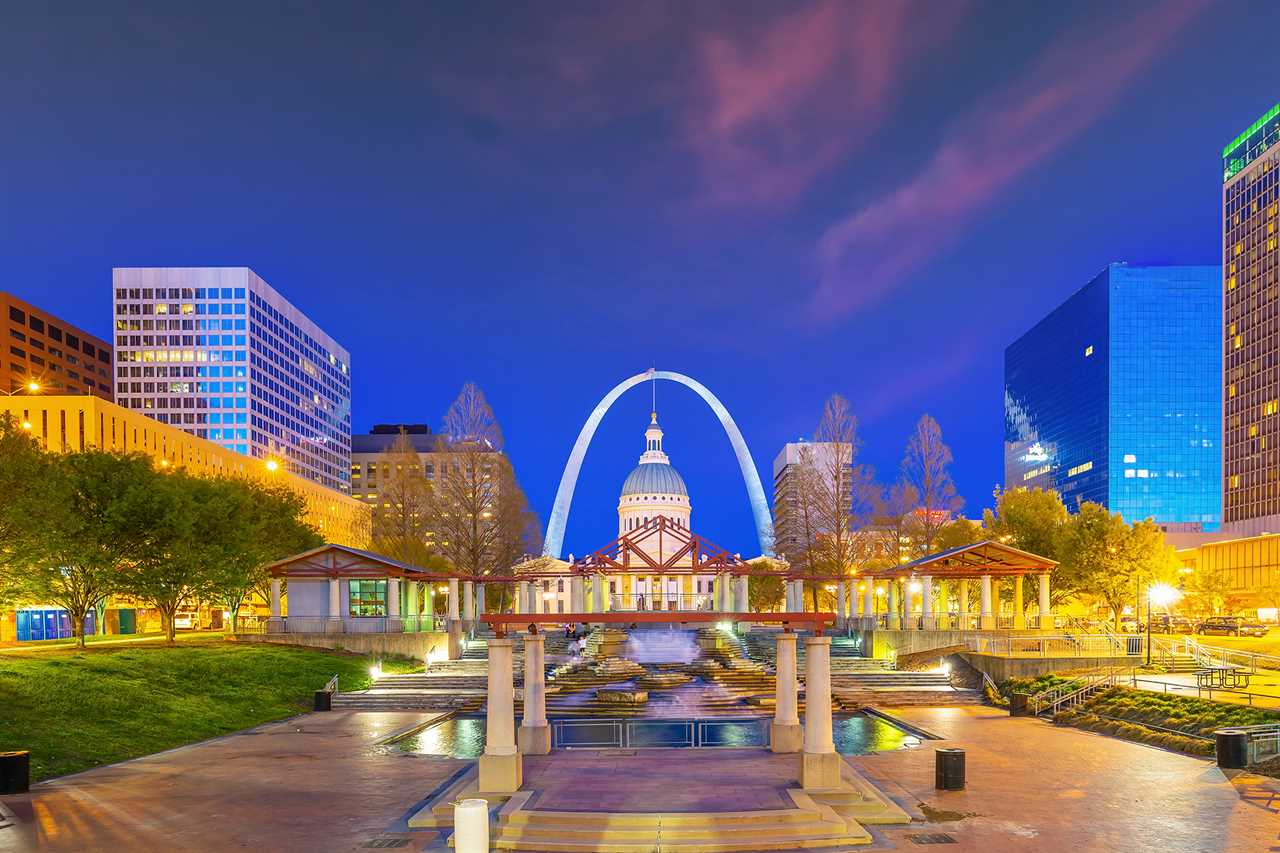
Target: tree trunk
column 235, row 616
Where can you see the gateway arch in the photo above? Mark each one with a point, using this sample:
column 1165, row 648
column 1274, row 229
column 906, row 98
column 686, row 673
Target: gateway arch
column 554, row 542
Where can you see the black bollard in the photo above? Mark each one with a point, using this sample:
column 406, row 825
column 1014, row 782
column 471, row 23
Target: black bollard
column 324, row 700
column 948, row 769
column 1233, row 748
column 15, row 772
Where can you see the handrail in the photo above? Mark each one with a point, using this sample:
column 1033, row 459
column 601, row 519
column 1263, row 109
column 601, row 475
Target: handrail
column 1201, row 692
column 331, row 686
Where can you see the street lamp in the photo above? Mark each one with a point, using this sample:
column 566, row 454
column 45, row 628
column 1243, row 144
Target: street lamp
column 272, row 465
column 1160, row 595
column 30, row 386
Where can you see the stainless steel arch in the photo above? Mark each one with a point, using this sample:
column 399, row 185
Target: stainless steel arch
column 554, row 542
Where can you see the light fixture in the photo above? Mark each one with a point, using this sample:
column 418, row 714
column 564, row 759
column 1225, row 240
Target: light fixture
column 272, row 465
column 26, row 424
column 915, row 586
column 1162, row 595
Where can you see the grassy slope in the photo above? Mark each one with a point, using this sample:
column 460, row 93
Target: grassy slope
column 74, row 710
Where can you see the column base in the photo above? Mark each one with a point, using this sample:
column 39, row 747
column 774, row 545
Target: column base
column 534, row 740
column 930, row 623
column 333, row 625
column 820, row 770
column 894, row 624
column 455, row 641
column 987, row 623
column 785, row 737
column 500, row 774
column 275, row 625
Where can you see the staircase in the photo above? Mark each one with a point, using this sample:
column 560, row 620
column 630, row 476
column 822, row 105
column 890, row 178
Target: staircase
column 855, row 690
column 1074, row 693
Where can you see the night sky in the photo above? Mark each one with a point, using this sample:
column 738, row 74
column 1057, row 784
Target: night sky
column 780, row 200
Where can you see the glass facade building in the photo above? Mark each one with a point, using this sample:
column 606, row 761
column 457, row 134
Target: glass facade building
column 217, row 352
column 1115, row 397
column 1251, row 382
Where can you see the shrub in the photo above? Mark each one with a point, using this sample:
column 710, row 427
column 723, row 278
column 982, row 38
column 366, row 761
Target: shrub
column 1137, row 733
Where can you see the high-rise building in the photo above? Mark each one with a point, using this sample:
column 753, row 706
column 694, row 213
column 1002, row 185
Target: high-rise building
column 217, row 352
column 371, row 457
column 1115, row 397
column 53, row 354
column 788, row 481
column 1251, row 379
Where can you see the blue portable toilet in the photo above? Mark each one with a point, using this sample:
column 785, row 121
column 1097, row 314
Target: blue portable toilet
column 24, row 626
column 50, row 624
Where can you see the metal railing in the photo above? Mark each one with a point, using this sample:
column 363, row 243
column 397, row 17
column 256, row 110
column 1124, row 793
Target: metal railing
column 331, row 686
column 1201, row 692
column 1073, row 693
column 1217, row 655
column 1055, row 645
column 657, row 733
column 1264, row 741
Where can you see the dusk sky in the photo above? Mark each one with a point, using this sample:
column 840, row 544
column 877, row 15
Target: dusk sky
column 781, row 200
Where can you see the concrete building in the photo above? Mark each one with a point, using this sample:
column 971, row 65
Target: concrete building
column 1251, row 375
column 1247, row 573
column 370, row 465
column 788, row 470
column 1114, row 397
column 219, row 353
column 59, row 357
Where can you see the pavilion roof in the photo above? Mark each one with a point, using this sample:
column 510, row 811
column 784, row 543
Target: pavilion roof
column 641, row 550
column 341, row 561
column 970, row 561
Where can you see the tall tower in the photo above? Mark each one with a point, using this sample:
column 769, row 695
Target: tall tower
column 1251, row 374
column 653, row 488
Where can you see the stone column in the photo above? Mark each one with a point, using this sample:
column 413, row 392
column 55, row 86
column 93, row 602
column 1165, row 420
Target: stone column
column 468, row 604
column 820, row 764
column 334, row 624
column 943, row 617
column 480, row 603
column 869, row 600
column 522, row 597
column 987, row 621
column 963, row 623
column 599, row 590
column 275, row 625
column 894, row 620
column 500, row 766
column 741, row 603
column 535, row 734
column 453, row 599
column 395, row 624
column 1019, row 614
column 927, row 620
column 1046, row 611
column 784, row 732
column 842, row 614
column 908, row 607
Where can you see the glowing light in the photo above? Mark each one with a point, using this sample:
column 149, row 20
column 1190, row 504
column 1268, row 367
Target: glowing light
column 880, row 591
column 375, row 671
column 26, row 424
column 272, row 465
column 1162, row 595
column 915, row 586
column 1036, row 453
column 33, row 386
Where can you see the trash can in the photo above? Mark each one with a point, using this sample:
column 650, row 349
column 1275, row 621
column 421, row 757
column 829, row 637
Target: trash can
column 324, row 700
column 15, row 772
column 948, row 769
column 1018, row 704
column 1233, row 748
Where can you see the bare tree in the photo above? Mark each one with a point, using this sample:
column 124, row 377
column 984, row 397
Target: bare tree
column 925, row 468
column 402, row 518
column 470, row 421
column 518, row 530
column 896, row 521
column 833, row 548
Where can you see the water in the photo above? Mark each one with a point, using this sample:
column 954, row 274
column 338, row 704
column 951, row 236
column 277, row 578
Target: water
column 856, row 734
column 662, row 647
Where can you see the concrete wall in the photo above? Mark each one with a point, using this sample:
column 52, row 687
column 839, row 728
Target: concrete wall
column 414, row 646
column 1000, row 668
column 307, row 597
column 883, row 642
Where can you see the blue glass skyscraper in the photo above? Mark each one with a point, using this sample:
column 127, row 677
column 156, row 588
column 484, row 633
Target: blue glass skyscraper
column 1116, row 397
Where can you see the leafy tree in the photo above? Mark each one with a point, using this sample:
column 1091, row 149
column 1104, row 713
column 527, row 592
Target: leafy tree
column 765, row 592
column 1034, row 520
column 1092, row 549
column 962, row 531
column 84, row 519
column 925, row 467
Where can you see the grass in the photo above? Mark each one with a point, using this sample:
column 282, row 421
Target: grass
column 79, row 709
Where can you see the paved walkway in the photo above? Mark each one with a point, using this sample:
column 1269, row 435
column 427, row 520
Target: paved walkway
column 322, row 783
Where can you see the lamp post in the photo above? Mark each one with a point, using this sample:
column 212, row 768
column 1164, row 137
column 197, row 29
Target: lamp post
column 28, row 387
column 1162, row 595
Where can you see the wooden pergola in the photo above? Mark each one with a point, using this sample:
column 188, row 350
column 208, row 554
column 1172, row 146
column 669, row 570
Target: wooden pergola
column 981, row 559
column 339, row 561
column 634, row 552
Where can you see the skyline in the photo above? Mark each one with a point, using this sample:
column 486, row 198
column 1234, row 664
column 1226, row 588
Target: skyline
column 374, row 202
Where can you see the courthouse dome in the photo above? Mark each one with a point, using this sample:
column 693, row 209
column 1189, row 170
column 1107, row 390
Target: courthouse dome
column 654, row 478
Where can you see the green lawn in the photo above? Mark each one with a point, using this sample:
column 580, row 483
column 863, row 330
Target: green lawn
column 78, row 709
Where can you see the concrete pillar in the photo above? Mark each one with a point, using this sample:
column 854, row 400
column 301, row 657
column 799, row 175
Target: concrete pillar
column 275, row 624
column 535, row 733
column 411, row 597
column 453, row 599
column 599, row 589
column 468, row 603
column 740, row 601
column 927, row 620
column 394, row 623
column 522, row 597
column 500, row 766
column 842, row 614
column 869, row 600
column 943, row 616
column 1019, row 614
column 577, row 594
column 784, row 731
column 1046, row 611
column 987, row 621
column 480, row 603
column 894, row 621
column 963, row 623
column 819, row 765
column 908, row 607
column 334, row 624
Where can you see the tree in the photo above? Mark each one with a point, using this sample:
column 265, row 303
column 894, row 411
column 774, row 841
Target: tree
column 269, row 526
column 465, row 499
column 402, row 518
column 925, row 467
column 1033, row 520
column 85, row 518
column 470, row 421
column 518, row 531
column 960, row 532
column 765, row 592
column 832, row 548
column 1092, row 549
column 896, row 521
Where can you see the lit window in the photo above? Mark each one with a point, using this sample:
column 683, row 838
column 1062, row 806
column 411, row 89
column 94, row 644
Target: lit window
column 1253, row 430
column 1088, row 351
column 1129, row 473
column 1129, row 458
column 1237, row 342
column 1080, row 469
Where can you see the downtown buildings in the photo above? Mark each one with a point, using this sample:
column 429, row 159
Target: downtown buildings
column 798, row 470
column 217, row 352
column 54, row 355
column 1115, row 397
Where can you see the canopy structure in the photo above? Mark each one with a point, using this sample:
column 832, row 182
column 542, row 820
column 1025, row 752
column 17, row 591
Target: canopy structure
column 339, row 561
column 989, row 558
column 661, row 547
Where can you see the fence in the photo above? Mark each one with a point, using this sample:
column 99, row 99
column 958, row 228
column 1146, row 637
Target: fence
column 1058, row 646
column 657, row 734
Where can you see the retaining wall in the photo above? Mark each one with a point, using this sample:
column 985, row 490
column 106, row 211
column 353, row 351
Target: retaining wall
column 1002, row 668
column 415, row 646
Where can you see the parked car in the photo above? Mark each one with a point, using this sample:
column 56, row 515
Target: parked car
column 1165, row 624
column 1231, row 626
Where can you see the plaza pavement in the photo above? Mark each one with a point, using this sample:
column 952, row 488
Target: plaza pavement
column 322, row 782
